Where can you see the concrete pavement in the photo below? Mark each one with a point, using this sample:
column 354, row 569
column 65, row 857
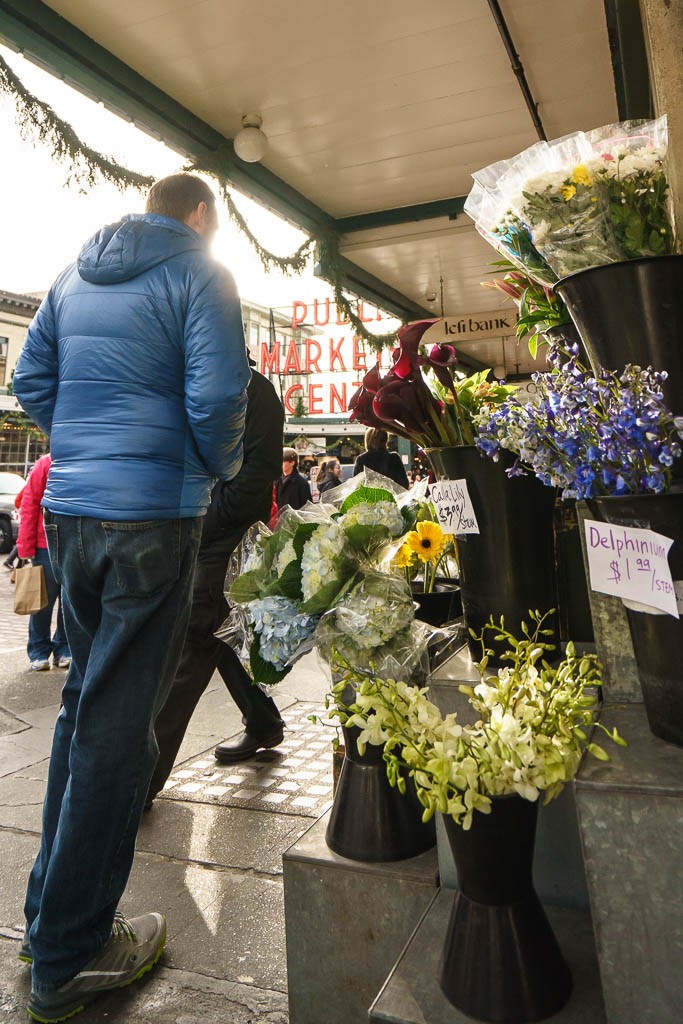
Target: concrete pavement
column 208, row 861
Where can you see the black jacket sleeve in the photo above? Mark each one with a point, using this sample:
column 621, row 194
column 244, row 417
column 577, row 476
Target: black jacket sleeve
column 399, row 475
column 247, row 498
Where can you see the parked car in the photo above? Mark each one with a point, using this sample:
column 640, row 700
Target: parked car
column 10, row 485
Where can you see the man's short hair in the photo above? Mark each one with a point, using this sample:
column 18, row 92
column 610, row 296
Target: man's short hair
column 290, row 455
column 178, row 195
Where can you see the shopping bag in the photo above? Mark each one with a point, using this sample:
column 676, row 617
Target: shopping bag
column 30, row 592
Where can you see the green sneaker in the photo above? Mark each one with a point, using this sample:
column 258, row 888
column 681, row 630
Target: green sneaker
column 133, row 949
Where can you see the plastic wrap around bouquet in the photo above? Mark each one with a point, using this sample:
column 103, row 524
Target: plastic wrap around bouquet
column 584, row 200
column 324, row 579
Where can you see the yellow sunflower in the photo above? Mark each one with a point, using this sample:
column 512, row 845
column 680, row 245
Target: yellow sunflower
column 427, row 540
column 403, row 558
column 568, row 192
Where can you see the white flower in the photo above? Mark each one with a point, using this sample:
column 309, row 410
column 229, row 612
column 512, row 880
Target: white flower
column 381, row 513
column 287, row 555
column 320, row 559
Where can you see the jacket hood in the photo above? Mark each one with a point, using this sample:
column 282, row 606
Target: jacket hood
column 121, row 251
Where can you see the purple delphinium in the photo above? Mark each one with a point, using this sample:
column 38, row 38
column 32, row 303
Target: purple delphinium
column 588, row 434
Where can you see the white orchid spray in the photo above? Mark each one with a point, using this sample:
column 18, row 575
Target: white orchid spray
column 534, row 726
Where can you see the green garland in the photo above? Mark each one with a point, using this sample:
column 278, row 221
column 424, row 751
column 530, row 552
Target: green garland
column 37, row 119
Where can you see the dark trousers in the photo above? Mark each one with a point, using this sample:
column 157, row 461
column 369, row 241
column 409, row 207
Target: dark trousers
column 202, row 654
column 125, row 592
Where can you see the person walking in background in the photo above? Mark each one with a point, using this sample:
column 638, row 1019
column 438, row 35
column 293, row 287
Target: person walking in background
column 235, row 507
column 378, row 457
column 135, row 365
column 291, row 489
column 329, row 477
column 32, row 544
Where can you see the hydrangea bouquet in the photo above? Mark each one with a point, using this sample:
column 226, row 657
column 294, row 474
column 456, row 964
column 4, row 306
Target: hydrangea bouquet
column 581, row 201
column 590, row 435
column 317, row 580
column 534, row 725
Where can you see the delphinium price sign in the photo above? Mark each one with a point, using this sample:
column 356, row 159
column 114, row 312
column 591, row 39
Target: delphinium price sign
column 632, row 564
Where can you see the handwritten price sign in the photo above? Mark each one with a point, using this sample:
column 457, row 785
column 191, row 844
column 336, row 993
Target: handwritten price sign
column 453, row 506
column 631, row 564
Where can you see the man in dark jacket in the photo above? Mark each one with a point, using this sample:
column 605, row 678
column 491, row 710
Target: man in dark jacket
column 234, row 508
column 136, row 366
column 292, row 488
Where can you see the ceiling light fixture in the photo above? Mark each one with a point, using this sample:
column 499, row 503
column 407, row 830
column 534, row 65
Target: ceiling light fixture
column 250, row 142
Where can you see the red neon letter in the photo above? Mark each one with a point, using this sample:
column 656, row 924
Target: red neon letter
column 299, row 313
column 314, row 399
column 270, row 361
column 312, row 360
column 339, row 399
column 335, row 353
column 292, row 364
column 325, row 322
column 288, row 394
column 359, row 355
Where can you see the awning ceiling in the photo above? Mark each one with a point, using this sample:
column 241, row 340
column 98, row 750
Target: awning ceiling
column 368, row 106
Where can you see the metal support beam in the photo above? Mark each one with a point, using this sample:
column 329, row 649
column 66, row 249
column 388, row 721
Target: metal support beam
column 629, row 59
column 401, row 215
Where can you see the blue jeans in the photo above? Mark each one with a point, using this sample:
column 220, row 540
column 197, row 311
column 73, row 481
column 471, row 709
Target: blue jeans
column 40, row 646
column 126, row 596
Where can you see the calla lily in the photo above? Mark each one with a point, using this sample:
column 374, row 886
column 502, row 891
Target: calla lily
column 407, row 361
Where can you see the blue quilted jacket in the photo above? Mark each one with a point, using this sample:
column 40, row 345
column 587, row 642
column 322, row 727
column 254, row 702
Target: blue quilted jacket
column 135, row 365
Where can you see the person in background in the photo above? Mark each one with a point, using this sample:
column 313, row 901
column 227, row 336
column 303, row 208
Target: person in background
column 329, row 477
column 378, row 457
column 234, row 508
column 291, row 489
column 135, row 365
column 32, row 545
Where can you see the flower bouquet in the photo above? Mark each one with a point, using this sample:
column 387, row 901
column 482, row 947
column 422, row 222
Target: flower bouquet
column 320, row 579
column 533, row 728
column 585, row 200
column 590, row 435
column 534, row 725
column 438, row 414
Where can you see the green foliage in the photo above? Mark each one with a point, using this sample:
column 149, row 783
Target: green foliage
column 367, row 495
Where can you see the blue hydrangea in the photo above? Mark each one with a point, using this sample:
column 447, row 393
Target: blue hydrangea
column 588, row 434
column 281, row 628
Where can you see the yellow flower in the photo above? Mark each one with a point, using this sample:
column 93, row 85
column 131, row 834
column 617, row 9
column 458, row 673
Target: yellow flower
column 568, row 191
column 427, row 540
column 403, row 558
column 581, row 175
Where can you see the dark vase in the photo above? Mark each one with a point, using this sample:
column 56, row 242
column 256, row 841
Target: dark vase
column 442, row 605
column 370, row 820
column 631, row 312
column 574, row 610
column 501, row 961
column 657, row 639
column 509, row 566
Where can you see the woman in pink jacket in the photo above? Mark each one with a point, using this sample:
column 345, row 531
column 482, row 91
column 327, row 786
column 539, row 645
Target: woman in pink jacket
column 32, row 544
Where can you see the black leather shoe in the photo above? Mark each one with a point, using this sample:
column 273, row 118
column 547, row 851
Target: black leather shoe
column 245, row 746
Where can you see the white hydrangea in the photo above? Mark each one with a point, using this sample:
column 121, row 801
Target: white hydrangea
column 381, row 513
column 287, row 555
column 320, row 558
column 370, row 616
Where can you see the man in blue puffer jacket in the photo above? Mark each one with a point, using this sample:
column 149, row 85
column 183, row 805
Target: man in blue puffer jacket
column 136, row 366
